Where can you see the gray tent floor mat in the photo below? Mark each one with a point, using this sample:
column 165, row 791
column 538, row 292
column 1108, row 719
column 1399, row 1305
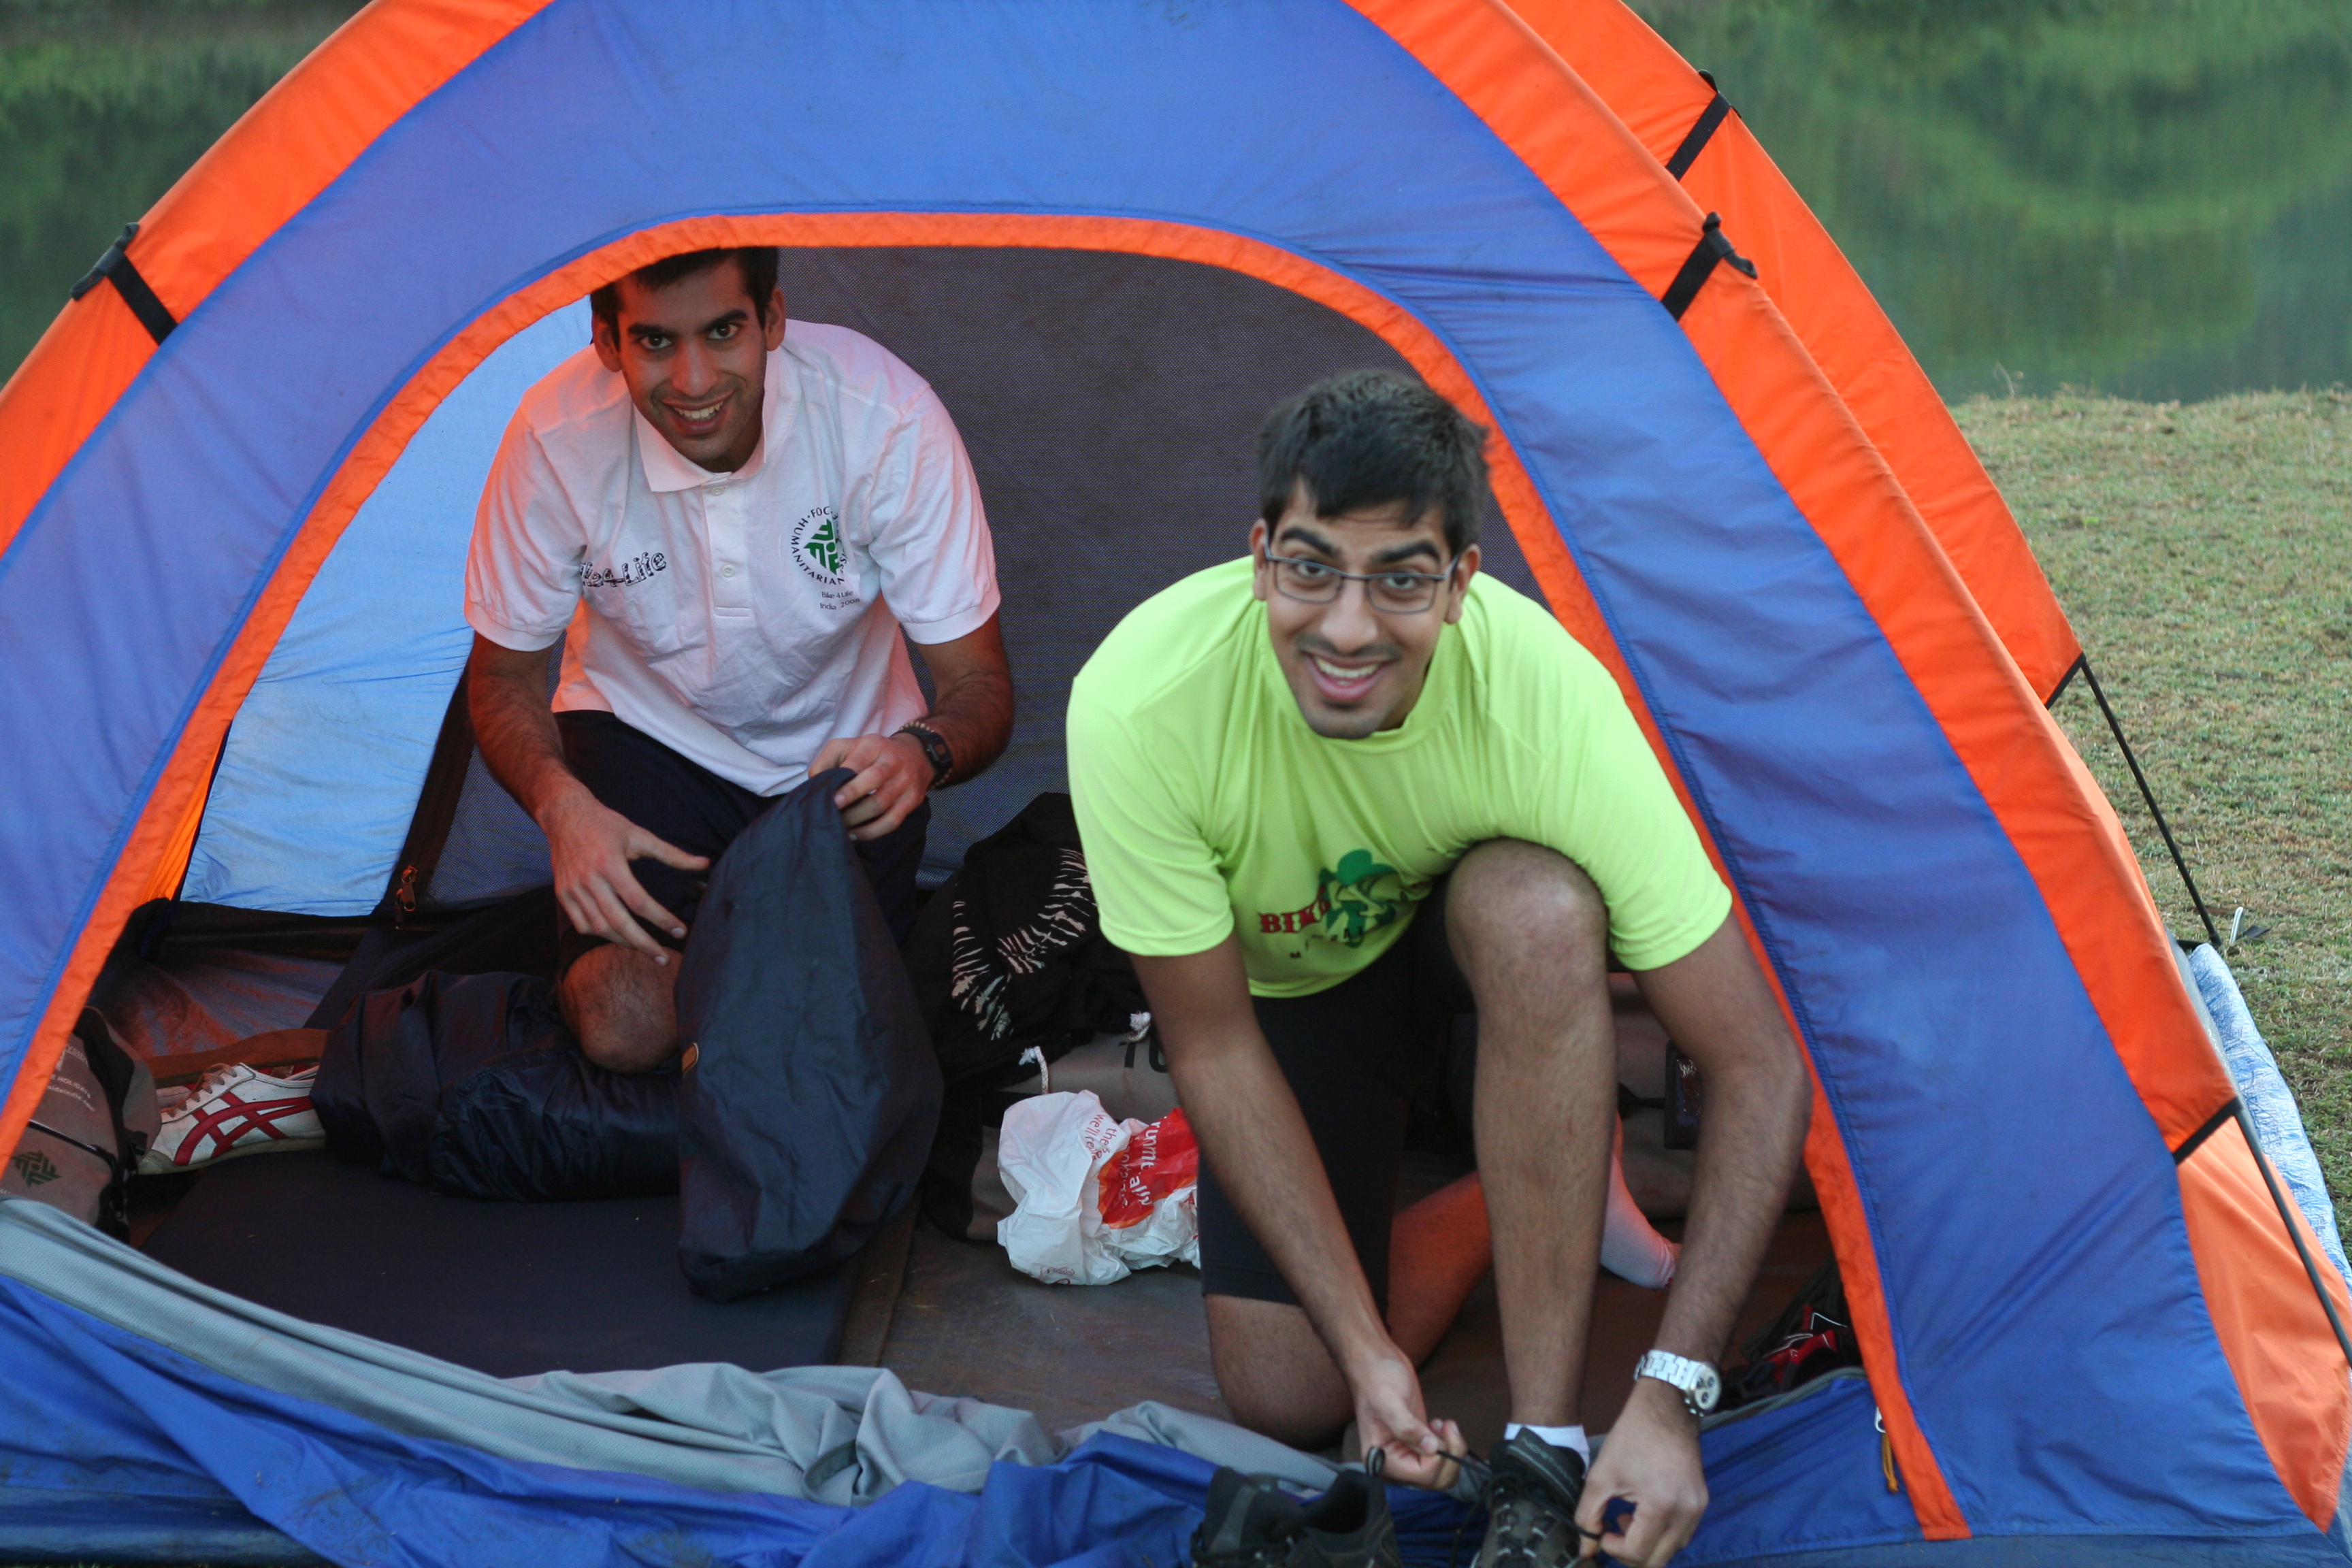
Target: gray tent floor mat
column 505, row 1288
column 966, row 1319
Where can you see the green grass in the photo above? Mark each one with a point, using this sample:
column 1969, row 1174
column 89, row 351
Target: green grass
column 2204, row 554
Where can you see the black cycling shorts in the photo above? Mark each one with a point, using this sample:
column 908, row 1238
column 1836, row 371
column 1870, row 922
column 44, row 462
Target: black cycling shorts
column 1355, row 1056
column 685, row 804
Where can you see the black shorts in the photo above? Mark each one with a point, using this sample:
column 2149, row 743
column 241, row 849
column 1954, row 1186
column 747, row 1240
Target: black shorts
column 686, row 804
column 1355, row 1056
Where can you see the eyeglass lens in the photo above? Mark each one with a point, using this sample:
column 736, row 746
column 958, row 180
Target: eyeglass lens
column 1313, row 583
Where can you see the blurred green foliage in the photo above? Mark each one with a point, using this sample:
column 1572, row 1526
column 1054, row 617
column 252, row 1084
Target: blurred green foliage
column 2151, row 196
column 102, row 106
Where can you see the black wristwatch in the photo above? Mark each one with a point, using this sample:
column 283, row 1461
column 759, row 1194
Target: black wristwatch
column 935, row 750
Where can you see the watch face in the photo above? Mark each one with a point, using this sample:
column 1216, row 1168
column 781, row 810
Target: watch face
column 1709, row 1388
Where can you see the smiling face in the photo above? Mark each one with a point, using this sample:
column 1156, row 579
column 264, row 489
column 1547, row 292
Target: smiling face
column 695, row 355
column 1356, row 669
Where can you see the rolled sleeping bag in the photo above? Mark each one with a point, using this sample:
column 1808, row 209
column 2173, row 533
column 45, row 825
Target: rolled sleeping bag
column 474, row 1085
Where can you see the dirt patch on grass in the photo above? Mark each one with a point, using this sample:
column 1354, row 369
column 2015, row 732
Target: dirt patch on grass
column 2205, row 556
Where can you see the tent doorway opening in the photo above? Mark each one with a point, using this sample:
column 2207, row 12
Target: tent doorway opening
column 353, row 838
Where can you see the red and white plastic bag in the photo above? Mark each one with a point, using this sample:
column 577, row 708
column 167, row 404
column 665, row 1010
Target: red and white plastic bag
column 1096, row 1198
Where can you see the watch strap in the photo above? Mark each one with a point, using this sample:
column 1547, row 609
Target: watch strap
column 1699, row 1383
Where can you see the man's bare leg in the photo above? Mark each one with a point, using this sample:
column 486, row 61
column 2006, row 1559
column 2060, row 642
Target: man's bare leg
column 1439, row 1250
column 1531, row 934
column 623, row 1005
column 1272, row 1367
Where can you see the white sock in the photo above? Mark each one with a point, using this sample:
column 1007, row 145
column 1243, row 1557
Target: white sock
column 1630, row 1248
column 1558, row 1437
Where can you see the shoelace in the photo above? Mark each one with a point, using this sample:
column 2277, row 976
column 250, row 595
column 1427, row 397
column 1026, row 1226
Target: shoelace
column 1520, row 1527
column 1499, row 1492
column 219, row 1073
column 1481, row 1476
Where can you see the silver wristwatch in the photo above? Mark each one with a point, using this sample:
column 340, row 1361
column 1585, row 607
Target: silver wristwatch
column 1699, row 1384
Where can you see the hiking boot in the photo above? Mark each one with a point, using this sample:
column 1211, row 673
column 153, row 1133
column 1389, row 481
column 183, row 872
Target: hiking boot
column 236, row 1110
column 1252, row 1523
column 1531, row 1505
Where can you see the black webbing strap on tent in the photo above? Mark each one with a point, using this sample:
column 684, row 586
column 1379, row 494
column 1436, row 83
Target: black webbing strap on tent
column 2131, row 759
column 2213, row 1123
column 2235, row 1111
column 115, row 266
column 1717, row 110
column 1712, row 248
column 436, row 808
column 2286, row 1218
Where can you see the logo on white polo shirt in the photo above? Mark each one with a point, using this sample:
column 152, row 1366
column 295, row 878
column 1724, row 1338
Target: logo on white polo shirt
column 626, row 574
column 823, row 554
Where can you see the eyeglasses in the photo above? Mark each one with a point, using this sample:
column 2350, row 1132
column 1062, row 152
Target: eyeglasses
column 1391, row 593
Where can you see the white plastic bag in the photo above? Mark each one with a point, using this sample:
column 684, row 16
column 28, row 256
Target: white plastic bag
column 1095, row 1198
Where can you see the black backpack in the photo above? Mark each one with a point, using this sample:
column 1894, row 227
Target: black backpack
column 1011, row 972
column 1009, row 956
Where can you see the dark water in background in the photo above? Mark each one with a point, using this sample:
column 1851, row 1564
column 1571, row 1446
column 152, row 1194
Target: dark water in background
column 2152, row 197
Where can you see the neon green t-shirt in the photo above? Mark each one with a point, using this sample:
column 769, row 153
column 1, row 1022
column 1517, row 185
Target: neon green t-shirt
column 1208, row 807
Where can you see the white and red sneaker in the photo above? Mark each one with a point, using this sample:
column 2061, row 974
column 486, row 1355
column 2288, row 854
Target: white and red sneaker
column 235, row 1110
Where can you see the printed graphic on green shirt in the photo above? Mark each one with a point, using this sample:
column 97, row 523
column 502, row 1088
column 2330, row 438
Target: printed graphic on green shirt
column 1350, row 903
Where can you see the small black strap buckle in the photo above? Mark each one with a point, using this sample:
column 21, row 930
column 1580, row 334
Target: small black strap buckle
column 1712, row 248
column 115, row 266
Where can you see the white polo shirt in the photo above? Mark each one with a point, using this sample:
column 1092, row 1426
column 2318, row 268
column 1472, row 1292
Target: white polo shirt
column 741, row 619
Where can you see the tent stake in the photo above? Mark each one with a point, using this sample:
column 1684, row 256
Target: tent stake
column 2116, row 725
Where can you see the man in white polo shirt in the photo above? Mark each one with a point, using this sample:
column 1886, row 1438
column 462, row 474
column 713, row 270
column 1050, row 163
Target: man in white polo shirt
column 727, row 521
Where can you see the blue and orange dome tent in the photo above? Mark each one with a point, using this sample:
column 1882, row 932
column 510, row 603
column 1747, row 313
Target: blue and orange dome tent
column 2085, row 1320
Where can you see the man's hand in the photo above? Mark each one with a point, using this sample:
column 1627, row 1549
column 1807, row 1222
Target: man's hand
column 893, row 777
column 1390, row 1417
column 1651, row 1461
column 591, row 845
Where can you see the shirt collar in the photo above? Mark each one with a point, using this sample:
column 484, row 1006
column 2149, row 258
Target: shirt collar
column 665, row 471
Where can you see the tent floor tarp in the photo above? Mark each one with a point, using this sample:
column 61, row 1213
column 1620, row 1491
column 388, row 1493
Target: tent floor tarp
column 966, row 1321
column 516, row 1289
column 505, row 1288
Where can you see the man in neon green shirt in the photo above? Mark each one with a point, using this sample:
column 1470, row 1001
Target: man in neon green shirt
column 1329, row 793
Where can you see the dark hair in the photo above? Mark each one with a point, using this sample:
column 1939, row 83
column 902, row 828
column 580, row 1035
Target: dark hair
column 757, row 262
column 1369, row 437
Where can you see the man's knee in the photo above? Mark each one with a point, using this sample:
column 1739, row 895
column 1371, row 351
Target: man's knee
column 1508, row 896
column 1274, row 1372
column 622, row 1005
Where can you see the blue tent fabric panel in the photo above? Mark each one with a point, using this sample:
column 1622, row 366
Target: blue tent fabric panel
column 2071, row 1551
column 324, row 764
column 2074, row 1381
column 1808, row 1470
column 94, row 1418
column 1813, row 1470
